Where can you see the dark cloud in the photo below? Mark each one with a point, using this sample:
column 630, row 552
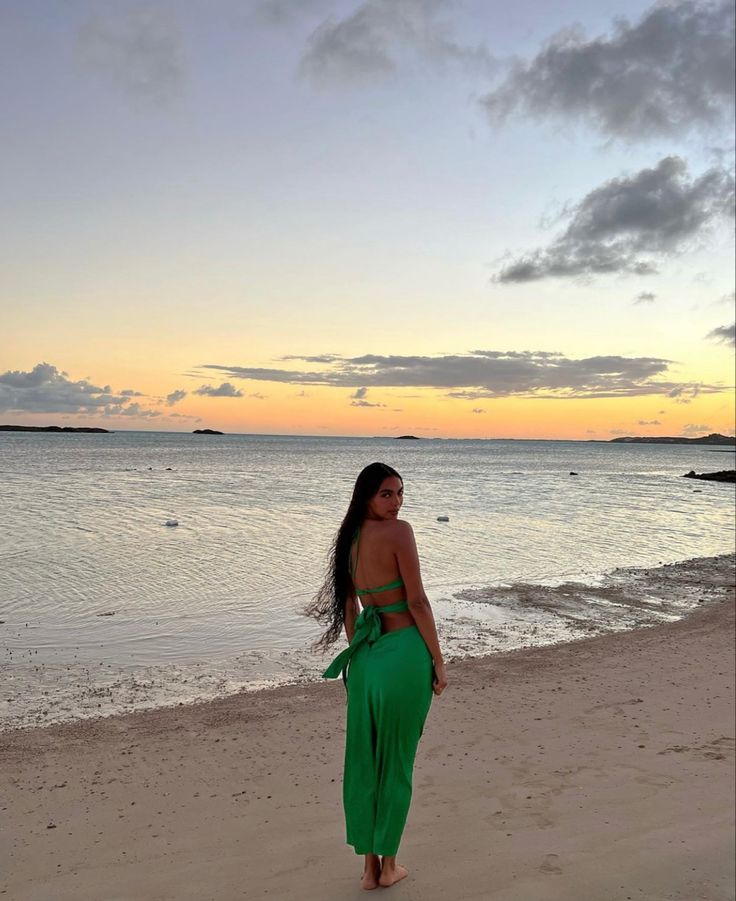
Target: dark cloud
column 725, row 334
column 645, row 297
column 226, row 389
column 136, row 49
column 175, row 397
column 45, row 389
column 671, row 72
column 626, row 223
column 359, row 393
column 649, row 422
column 487, row 373
column 367, row 43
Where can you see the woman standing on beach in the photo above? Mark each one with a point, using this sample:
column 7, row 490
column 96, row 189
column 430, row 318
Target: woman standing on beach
column 391, row 667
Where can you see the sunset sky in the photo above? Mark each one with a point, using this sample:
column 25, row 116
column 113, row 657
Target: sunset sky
column 375, row 217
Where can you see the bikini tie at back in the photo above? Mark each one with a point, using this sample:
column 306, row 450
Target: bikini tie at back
column 367, row 628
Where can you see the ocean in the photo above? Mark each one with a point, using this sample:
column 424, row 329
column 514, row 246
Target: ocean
column 104, row 608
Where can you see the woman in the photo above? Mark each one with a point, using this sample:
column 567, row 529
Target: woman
column 391, row 667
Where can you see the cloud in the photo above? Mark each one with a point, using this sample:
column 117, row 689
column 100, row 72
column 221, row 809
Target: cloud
column 134, row 410
column 478, row 410
column 226, row 389
column 624, row 224
column 649, row 422
column 487, row 373
column 644, row 297
column 44, row 389
column 725, row 334
column 693, row 429
column 359, row 399
column 317, row 358
column 670, row 73
column 680, row 393
column 138, row 50
column 278, row 12
column 367, row 43
column 175, row 397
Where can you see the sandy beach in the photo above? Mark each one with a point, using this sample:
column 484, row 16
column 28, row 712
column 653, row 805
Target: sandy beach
column 597, row 770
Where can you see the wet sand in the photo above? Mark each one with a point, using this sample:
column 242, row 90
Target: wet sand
column 597, row 770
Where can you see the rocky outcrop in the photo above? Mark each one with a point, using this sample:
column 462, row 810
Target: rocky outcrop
column 207, row 432
column 723, row 475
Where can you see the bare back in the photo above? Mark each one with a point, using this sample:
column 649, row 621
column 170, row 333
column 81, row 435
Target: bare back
column 374, row 564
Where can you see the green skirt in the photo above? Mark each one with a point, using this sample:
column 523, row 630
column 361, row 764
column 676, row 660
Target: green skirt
column 389, row 693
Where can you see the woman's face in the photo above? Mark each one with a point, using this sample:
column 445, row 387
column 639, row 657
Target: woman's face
column 387, row 501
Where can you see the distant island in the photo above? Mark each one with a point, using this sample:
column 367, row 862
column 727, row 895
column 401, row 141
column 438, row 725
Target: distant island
column 50, row 428
column 714, row 438
column 407, row 438
column 207, row 432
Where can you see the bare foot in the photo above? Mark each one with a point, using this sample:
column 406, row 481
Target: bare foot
column 370, row 875
column 391, row 875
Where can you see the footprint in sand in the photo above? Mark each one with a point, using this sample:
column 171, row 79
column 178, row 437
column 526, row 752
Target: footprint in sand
column 549, row 865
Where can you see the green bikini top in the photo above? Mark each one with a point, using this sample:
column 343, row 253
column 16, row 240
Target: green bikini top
column 397, row 583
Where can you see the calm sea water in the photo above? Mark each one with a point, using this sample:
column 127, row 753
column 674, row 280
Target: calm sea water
column 96, row 591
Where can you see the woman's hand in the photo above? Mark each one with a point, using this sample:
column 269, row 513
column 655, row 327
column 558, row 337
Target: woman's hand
column 439, row 682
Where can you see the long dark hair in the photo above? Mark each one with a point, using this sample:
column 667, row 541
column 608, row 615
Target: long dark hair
column 328, row 606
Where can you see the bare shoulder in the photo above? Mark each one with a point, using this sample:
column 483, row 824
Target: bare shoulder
column 401, row 532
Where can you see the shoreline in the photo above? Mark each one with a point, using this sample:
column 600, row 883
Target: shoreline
column 600, row 768
column 473, row 624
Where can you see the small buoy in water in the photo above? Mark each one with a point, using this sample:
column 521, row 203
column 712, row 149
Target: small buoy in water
column 697, row 491
column 171, row 522
column 443, row 519
column 573, row 473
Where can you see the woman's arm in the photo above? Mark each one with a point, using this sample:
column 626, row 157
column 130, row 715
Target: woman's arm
column 407, row 558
